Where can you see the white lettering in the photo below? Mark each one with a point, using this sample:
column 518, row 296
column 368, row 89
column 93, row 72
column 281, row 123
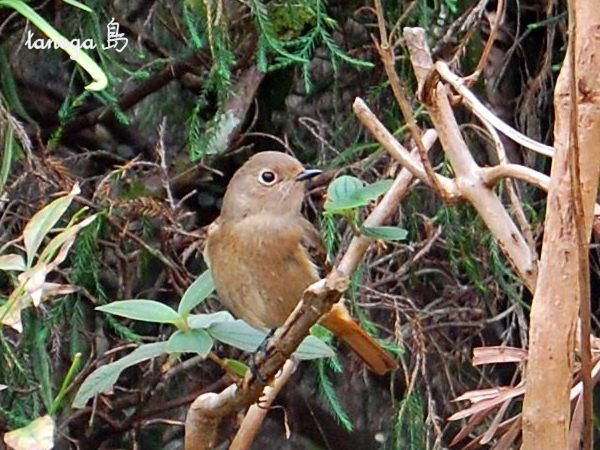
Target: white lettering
column 89, row 44
column 115, row 40
column 28, row 41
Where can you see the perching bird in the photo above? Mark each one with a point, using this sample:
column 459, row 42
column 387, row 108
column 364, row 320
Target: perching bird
column 261, row 252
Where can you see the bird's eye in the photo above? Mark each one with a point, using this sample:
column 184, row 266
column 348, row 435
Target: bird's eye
column 267, row 177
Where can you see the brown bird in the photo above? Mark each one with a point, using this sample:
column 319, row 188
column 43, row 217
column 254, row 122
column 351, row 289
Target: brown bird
column 263, row 253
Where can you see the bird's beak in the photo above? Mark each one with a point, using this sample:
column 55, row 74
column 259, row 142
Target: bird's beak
column 307, row 174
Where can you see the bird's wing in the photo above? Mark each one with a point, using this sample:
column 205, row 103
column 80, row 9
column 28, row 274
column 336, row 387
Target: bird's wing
column 211, row 230
column 312, row 242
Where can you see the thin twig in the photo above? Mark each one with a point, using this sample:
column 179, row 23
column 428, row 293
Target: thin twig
column 386, row 54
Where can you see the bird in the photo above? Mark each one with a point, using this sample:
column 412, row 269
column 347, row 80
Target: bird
column 263, row 253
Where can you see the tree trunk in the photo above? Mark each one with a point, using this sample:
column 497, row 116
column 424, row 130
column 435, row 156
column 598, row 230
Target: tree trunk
column 546, row 408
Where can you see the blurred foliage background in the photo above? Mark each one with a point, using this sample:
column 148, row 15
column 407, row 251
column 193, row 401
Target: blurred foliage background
column 200, row 86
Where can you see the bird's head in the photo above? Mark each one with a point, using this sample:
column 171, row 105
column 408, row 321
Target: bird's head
column 269, row 182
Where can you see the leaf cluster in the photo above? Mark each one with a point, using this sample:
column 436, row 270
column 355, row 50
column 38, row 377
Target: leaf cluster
column 195, row 333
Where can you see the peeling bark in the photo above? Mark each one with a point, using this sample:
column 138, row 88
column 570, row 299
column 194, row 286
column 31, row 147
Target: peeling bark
column 557, row 297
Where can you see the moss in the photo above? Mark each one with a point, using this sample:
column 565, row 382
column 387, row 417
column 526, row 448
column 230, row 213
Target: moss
column 290, row 19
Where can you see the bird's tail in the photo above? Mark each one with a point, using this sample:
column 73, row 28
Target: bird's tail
column 339, row 321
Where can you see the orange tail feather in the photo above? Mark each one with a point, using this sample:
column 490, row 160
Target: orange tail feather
column 339, row 321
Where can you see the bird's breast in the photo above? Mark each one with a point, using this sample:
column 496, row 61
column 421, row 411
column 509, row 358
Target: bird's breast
column 260, row 268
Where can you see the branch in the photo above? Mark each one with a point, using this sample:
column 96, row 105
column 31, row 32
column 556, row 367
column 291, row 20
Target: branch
column 469, row 178
column 484, row 114
column 511, row 190
column 207, row 411
column 386, row 53
column 134, row 95
column 389, row 142
column 563, row 284
column 256, row 414
column 491, row 175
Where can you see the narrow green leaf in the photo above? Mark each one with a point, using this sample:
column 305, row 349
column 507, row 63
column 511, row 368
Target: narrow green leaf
column 238, row 334
column 372, row 191
column 192, row 341
column 43, row 221
column 312, row 348
column 66, row 383
column 9, row 86
column 206, row 320
column 198, row 291
column 103, row 378
column 385, row 233
column 7, row 156
column 241, row 335
column 80, row 57
column 145, row 310
column 79, row 5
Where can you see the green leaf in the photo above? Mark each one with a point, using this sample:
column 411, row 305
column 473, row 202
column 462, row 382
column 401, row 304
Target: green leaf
column 9, row 86
column 79, row 5
column 103, row 378
column 241, row 335
column 312, row 348
column 43, row 221
column 80, row 57
column 350, row 193
column 146, row 310
column 385, row 233
column 238, row 334
column 198, row 291
column 236, row 366
column 192, row 341
column 206, row 320
column 372, row 191
column 343, row 187
column 66, row 383
column 7, row 156
column 12, row 262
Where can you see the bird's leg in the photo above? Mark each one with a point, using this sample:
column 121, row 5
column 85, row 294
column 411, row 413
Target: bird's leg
column 262, row 349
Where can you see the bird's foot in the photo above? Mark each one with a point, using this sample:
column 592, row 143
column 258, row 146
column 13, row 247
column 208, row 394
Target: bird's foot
column 260, row 353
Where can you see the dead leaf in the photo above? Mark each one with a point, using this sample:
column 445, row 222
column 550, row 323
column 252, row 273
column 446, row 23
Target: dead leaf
column 500, row 354
column 38, row 435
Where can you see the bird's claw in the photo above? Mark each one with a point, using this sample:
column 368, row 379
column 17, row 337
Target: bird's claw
column 255, row 358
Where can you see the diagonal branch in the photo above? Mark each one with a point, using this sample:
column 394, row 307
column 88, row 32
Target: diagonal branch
column 386, row 53
column 208, row 410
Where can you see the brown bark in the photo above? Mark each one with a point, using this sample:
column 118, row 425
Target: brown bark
column 546, row 409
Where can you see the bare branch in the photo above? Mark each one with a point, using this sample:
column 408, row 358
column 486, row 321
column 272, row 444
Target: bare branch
column 207, row 411
column 389, row 142
column 256, row 414
column 484, row 114
column 469, row 178
column 492, row 175
column 386, row 53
